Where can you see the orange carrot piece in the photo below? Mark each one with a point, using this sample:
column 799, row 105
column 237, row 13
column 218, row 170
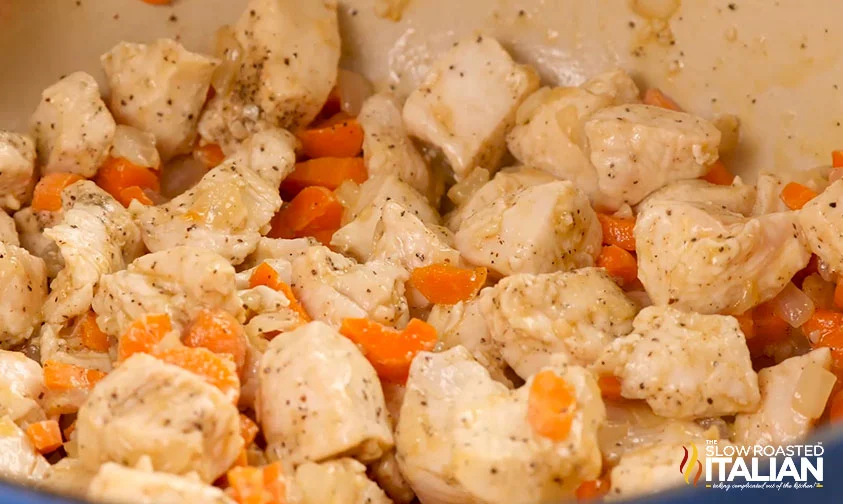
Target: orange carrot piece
column 338, row 137
column 618, row 231
column 117, row 174
column 266, row 275
column 619, row 263
column 90, row 333
column 592, row 490
column 60, row 376
column 550, row 406
column 134, row 193
column 323, row 236
column 447, row 284
column 837, row 159
column 390, row 351
column 257, row 485
column 47, row 194
column 833, row 340
column 218, row 331
column 214, row 369
column 69, row 429
column 210, row 155
column 747, row 324
column 143, row 334
column 657, row 98
column 796, row 195
column 835, row 409
column 768, row 328
column 718, row 174
column 327, row 172
column 610, row 387
column 45, row 435
column 313, row 209
column 248, row 429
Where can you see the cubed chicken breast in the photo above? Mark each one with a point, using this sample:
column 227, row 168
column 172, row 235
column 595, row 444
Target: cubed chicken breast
column 737, row 198
column 19, row 461
column 68, row 477
column 685, row 365
column 822, row 224
column 768, row 188
column 267, row 312
column 777, row 420
column 637, row 149
column 17, row 170
column 467, row 103
column 699, row 257
column 8, row 233
column 116, row 484
column 269, row 153
column 21, row 387
column 655, row 468
column 160, row 88
column 388, row 150
column 615, row 84
column 332, row 287
column 540, row 229
column 319, row 398
column 96, row 237
column 166, row 282
column 463, row 437
column 341, row 481
column 31, row 225
column 148, row 408
column 361, row 217
column 403, row 239
column 72, row 127
column 279, row 250
column 289, row 53
column 23, row 290
column 531, row 317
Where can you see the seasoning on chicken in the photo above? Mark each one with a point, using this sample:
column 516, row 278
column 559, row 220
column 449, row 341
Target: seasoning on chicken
column 341, row 481
column 698, row 257
column 768, row 199
column 17, row 170
column 159, row 88
column 72, row 127
column 403, row 239
column 23, row 291
column 467, row 103
column 319, row 398
column 8, row 233
column 822, row 224
column 115, row 484
column 21, row 387
column 737, row 198
column 31, row 225
column 19, row 460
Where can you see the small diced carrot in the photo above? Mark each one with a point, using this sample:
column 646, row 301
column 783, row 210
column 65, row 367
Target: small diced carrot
column 835, row 408
column 117, row 174
column 217, row 370
column 143, row 334
column 313, row 209
column 619, row 263
column 210, row 155
column 550, row 406
column 327, row 172
column 447, row 284
column 60, row 376
column 45, row 435
column 257, row 485
column 90, row 333
column 610, row 387
column 266, row 275
column 767, row 328
column 248, row 429
column 837, row 159
column 592, row 490
column 323, row 236
column 390, row 351
column 833, row 340
column 218, row 331
column 796, row 195
column 47, row 194
column 134, row 193
column 657, row 98
column 718, row 174
column 618, row 231
column 339, row 137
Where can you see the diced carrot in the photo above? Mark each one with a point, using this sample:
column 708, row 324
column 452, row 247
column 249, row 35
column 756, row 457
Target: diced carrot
column 45, row 435
column 327, row 172
column 832, row 340
column 134, row 193
column 242, row 460
column 796, row 195
column 90, row 333
column 47, row 194
column 768, row 327
column 313, row 209
column 266, row 275
column 837, row 159
column 838, row 294
column 248, row 429
column 338, row 137
column 210, row 155
column 747, row 324
column 257, row 485
column 657, row 98
column 390, row 351
column 323, row 236
column 618, row 231
column 619, row 263
column 550, row 406
column 60, row 376
column 610, row 387
column 821, row 323
column 117, row 174
column 835, row 409
column 217, row 370
column 143, row 334
column 218, row 331
column 592, row 489
column 447, row 284
column 718, row 174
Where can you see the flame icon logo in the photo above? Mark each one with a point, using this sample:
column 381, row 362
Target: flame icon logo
column 686, row 467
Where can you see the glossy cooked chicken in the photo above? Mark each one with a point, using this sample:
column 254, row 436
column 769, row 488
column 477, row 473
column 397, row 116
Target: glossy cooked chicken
column 235, row 279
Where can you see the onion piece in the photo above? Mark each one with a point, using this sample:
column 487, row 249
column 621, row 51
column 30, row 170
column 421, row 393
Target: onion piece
column 353, row 89
column 812, row 391
column 825, row 270
column 641, row 298
column 461, row 191
column 136, row 146
column 180, row 174
column 229, row 50
column 793, row 306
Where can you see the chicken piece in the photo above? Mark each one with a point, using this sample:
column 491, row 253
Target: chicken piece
column 356, row 237
column 332, row 287
column 289, row 53
column 387, row 475
column 21, row 387
column 341, row 481
column 267, row 311
column 17, row 170
column 822, row 224
column 19, row 461
column 654, row 468
column 776, row 422
column 463, row 437
column 531, row 317
column 68, row 477
column 227, row 210
column 166, row 282
column 637, row 149
column 270, row 153
column 737, row 198
column 31, row 225
column 117, row 484
column 8, row 233
column 281, row 250
column 540, row 229
column 23, row 290
column 403, row 239
column 72, row 127
column 615, row 84
column 96, row 237
column 148, row 408
column 388, row 150
column 698, row 257
column 685, row 365
column 467, row 103
column 160, row 88
column 319, row 398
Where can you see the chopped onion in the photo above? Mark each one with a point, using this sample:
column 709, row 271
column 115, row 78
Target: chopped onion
column 793, row 306
column 624, row 212
column 229, row 50
column 820, row 291
column 461, row 191
column 353, row 90
column 611, row 439
column 825, row 271
column 180, row 174
column 136, row 146
column 812, row 391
